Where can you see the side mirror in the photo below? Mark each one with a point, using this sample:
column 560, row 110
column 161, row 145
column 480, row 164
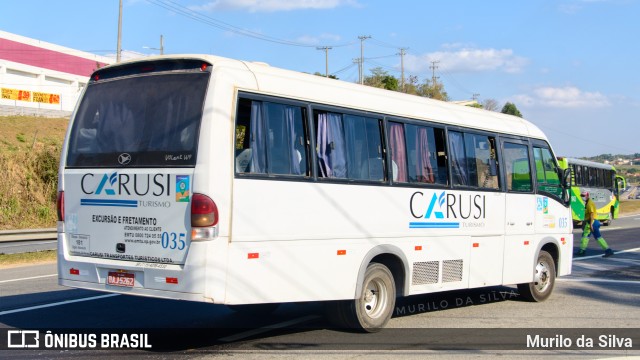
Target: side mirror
column 566, row 186
column 566, row 178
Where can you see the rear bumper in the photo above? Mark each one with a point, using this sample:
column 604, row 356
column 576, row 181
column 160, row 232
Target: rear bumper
column 189, row 281
column 163, row 294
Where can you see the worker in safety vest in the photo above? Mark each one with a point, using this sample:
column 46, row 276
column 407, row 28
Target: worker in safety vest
column 591, row 225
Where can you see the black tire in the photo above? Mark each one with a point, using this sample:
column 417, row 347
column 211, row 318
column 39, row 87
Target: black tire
column 255, row 309
column 608, row 222
column 374, row 306
column 544, row 279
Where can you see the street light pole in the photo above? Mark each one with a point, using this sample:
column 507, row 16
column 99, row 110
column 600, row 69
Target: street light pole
column 362, row 39
column 326, row 58
column 119, row 50
column 161, row 48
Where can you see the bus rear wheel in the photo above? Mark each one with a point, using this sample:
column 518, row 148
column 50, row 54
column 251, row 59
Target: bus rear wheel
column 544, row 279
column 374, row 306
column 610, row 220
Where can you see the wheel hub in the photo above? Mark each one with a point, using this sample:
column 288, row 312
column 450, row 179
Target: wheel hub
column 541, row 279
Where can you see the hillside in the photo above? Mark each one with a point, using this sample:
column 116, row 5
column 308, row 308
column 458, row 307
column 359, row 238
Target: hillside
column 29, row 157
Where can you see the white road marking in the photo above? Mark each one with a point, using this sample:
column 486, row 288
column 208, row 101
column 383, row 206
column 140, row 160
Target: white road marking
column 29, row 278
column 600, row 281
column 595, row 256
column 57, row 304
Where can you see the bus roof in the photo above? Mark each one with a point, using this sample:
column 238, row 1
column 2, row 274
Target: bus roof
column 301, row 86
column 588, row 163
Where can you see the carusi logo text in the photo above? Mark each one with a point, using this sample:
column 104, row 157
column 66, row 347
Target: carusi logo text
column 443, row 210
column 126, row 184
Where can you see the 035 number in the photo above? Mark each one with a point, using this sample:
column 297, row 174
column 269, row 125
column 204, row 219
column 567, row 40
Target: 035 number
column 173, row 240
column 563, row 222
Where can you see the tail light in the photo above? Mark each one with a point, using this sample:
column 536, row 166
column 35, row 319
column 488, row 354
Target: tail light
column 60, row 205
column 204, row 216
column 204, row 211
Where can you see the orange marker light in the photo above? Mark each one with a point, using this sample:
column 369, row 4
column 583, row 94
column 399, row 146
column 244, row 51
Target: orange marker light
column 342, row 252
column 476, row 244
column 418, row 247
column 253, row 255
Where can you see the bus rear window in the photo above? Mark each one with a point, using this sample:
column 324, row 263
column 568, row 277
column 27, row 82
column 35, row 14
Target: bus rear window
column 151, row 120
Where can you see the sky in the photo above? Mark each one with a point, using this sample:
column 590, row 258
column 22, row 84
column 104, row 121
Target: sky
column 570, row 66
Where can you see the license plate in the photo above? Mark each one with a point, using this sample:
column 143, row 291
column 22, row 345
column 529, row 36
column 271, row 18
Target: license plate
column 121, row 279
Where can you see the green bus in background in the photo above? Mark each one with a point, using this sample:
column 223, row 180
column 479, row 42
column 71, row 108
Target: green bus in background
column 602, row 183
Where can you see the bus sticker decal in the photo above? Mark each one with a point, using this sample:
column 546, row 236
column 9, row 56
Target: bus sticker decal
column 543, row 204
column 182, row 188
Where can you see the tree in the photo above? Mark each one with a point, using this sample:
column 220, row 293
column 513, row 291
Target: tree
column 433, row 91
column 490, row 104
column 390, row 83
column 511, row 109
column 330, row 76
column 381, row 79
column 411, row 85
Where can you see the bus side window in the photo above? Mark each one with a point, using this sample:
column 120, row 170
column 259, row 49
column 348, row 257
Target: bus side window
column 330, row 145
column 349, row 147
column 546, row 171
column 243, row 135
column 516, row 158
column 398, row 152
column 473, row 160
column 459, row 170
column 425, row 145
column 270, row 139
column 481, row 157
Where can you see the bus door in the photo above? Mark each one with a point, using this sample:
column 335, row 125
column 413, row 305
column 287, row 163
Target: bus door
column 520, row 206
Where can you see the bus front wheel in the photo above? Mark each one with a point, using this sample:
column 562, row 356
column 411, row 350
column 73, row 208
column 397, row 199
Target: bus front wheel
column 543, row 280
column 374, row 306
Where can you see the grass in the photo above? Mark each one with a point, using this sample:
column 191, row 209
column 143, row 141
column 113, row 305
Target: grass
column 10, row 260
column 628, row 207
column 29, row 158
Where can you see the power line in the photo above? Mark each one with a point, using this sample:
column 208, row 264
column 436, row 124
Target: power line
column 590, row 140
column 384, row 44
column 380, row 57
column 344, row 69
column 451, row 79
column 194, row 15
column 382, row 66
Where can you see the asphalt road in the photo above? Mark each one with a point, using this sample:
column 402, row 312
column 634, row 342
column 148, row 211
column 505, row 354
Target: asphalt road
column 601, row 294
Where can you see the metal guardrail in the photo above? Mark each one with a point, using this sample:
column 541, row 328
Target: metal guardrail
column 28, row 234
